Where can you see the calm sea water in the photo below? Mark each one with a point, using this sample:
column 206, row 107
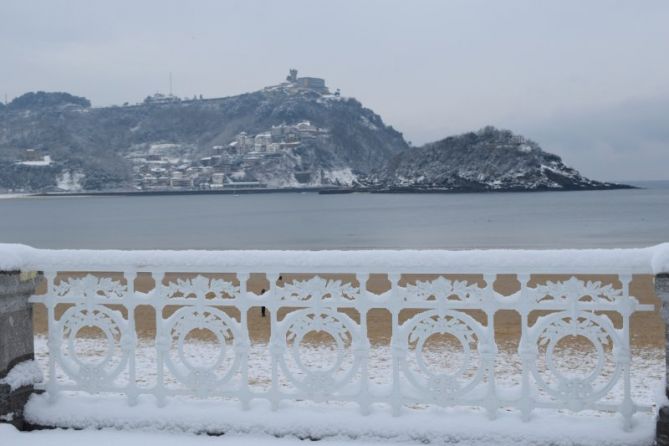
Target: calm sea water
column 623, row 218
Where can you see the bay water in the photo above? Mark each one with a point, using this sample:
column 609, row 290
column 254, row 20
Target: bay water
column 596, row 219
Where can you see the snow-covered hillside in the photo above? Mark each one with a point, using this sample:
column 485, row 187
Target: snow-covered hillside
column 486, row 160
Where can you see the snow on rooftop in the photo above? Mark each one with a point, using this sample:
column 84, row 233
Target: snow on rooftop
column 45, row 161
column 649, row 260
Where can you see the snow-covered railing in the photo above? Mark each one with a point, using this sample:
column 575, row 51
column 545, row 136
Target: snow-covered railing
column 431, row 294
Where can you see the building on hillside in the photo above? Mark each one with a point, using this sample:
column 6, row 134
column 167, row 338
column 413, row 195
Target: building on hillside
column 217, row 180
column 159, row 98
column 292, row 76
column 181, row 183
column 278, row 131
column 261, row 141
column 244, row 185
column 306, row 129
column 313, row 83
column 244, row 142
column 31, row 155
column 289, row 145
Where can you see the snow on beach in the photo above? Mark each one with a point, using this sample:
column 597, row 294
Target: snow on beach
column 647, row 378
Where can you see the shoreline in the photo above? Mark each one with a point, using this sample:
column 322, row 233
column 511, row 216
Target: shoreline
column 318, row 190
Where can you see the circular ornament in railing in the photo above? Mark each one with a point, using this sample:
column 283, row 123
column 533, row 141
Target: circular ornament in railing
column 92, row 369
column 596, row 372
column 466, row 341
column 214, row 360
column 320, row 367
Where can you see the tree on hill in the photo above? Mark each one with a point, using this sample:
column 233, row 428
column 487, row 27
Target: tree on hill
column 43, row 99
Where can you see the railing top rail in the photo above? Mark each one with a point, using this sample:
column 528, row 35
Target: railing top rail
column 651, row 260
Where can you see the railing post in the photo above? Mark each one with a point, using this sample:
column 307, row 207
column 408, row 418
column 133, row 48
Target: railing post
column 16, row 344
column 243, row 347
column 662, row 426
column 396, row 343
column 363, row 350
column 131, row 341
column 275, row 343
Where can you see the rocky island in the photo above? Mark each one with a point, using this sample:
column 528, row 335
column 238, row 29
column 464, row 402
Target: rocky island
column 487, row 160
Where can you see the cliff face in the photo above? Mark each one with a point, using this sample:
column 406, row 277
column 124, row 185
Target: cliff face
column 94, row 142
column 487, row 160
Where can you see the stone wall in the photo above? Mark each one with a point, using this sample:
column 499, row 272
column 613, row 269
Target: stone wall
column 16, row 339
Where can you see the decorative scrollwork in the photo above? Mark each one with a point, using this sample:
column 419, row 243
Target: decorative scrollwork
column 90, row 286
column 443, row 354
column 94, row 373
column 575, row 391
column 202, row 287
column 442, row 290
column 318, row 383
column 575, row 290
column 201, row 378
column 317, row 289
column 439, row 386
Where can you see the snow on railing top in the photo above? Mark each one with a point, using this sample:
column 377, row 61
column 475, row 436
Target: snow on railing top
column 651, row 260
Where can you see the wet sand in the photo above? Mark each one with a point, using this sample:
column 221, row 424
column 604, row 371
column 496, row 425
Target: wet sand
column 647, row 328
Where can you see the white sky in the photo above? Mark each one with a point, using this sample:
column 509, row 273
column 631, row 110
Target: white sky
column 588, row 80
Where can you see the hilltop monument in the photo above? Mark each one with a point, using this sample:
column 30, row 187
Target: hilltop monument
column 313, row 83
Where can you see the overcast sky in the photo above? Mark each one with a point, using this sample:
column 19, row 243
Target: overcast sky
column 588, row 80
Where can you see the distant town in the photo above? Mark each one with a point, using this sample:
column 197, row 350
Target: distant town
column 162, row 166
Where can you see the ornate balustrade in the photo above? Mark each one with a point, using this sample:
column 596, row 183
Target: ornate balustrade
column 427, row 296
column 152, row 324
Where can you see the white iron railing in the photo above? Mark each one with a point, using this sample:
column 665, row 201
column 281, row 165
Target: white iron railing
column 442, row 303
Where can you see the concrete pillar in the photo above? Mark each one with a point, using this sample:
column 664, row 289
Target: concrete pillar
column 16, row 340
column 662, row 427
